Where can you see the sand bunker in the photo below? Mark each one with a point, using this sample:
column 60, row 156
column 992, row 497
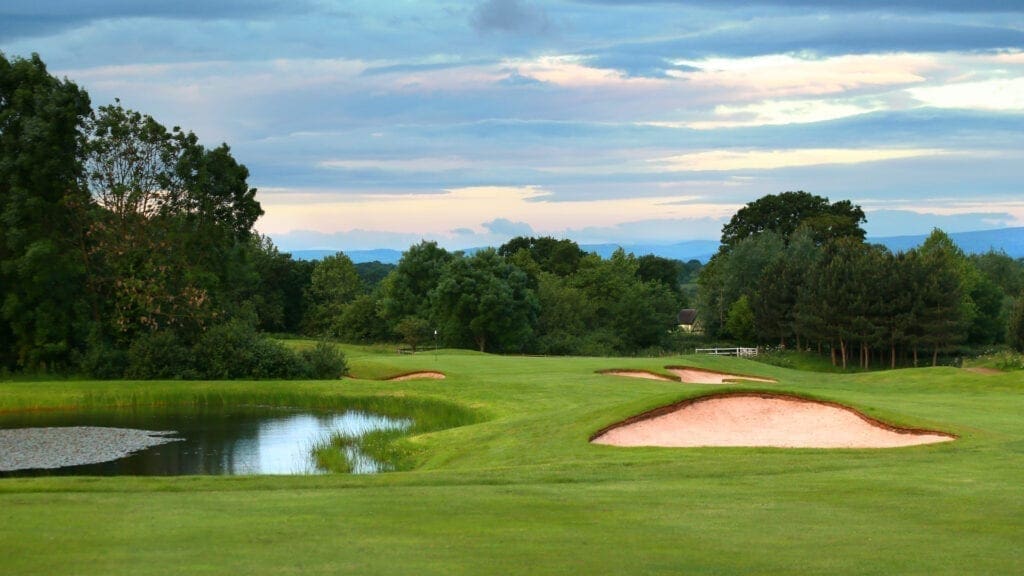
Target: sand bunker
column 757, row 420
column 418, row 376
column 638, row 374
column 698, row 376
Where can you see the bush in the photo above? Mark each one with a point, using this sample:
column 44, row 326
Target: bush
column 235, row 350
column 158, row 355
column 226, row 351
column 102, row 360
column 325, row 361
column 272, row 359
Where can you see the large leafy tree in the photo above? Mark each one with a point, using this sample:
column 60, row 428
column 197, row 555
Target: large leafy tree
column 42, row 248
column 561, row 257
column 624, row 312
column 279, row 292
column 485, row 300
column 333, row 286
column 405, row 291
column 787, row 212
column 171, row 239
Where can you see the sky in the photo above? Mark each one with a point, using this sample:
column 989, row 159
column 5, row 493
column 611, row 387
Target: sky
column 380, row 124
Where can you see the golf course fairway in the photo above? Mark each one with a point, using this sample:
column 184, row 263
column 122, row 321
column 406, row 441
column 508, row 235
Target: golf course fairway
column 522, row 490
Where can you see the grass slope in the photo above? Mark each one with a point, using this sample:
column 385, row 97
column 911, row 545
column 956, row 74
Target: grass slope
column 522, row 491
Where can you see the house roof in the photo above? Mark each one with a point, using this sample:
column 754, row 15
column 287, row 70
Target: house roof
column 686, row 317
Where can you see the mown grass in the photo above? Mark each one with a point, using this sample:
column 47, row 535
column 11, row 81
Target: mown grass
column 520, row 490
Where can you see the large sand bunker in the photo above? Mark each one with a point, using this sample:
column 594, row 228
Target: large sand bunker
column 698, row 376
column 688, row 375
column 757, row 420
column 418, row 376
column 644, row 374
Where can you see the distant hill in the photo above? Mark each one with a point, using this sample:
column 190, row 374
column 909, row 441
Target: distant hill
column 382, row 255
column 1009, row 240
column 690, row 250
column 685, row 251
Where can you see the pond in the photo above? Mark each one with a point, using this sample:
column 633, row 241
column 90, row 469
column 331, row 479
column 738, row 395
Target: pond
column 225, row 441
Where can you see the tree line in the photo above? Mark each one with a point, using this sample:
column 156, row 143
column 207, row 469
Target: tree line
column 530, row 295
column 127, row 250
column 795, row 271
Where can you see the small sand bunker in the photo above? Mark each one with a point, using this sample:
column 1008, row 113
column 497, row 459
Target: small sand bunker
column 418, row 376
column 638, row 374
column 698, row 376
column 757, row 420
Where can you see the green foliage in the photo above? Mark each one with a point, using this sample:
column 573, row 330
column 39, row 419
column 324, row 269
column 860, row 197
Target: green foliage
column 361, row 321
column 740, row 321
column 413, row 331
column 787, row 212
column 665, row 271
column 43, row 309
column 334, row 284
column 279, row 290
column 229, row 351
column 559, row 257
column 486, row 301
column 325, row 361
column 373, row 273
column 405, row 291
column 161, row 356
column 1015, row 328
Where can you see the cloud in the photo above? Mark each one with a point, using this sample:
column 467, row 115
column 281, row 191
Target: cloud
column 784, row 75
column 997, row 6
column 44, row 17
column 509, row 16
column 440, row 164
column 730, row 160
column 506, row 227
column 651, row 231
column 997, row 95
column 345, row 240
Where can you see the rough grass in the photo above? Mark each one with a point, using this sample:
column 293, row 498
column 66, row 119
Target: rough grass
column 521, row 490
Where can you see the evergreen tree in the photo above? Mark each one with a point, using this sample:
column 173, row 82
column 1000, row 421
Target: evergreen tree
column 943, row 309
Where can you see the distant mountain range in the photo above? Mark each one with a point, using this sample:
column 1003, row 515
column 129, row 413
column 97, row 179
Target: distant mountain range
column 1009, row 240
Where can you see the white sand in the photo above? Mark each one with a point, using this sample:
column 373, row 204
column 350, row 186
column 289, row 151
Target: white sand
column 758, row 420
column 696, row 376
column 418, row 376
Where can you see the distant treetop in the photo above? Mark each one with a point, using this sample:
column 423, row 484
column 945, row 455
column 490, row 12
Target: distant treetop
column 788, row 212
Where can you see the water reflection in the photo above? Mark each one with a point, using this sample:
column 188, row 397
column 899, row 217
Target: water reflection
column 236, row 441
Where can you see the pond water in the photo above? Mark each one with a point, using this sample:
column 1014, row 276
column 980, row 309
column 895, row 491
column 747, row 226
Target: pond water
column 230, row 441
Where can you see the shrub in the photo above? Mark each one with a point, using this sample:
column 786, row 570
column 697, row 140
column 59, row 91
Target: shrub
column 158, row 355
column 272, row 359
column 103, row 360
column 325, row 361
column 226, row 351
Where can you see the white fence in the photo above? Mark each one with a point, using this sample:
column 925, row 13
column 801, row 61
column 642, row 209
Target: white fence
column 727, row 351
